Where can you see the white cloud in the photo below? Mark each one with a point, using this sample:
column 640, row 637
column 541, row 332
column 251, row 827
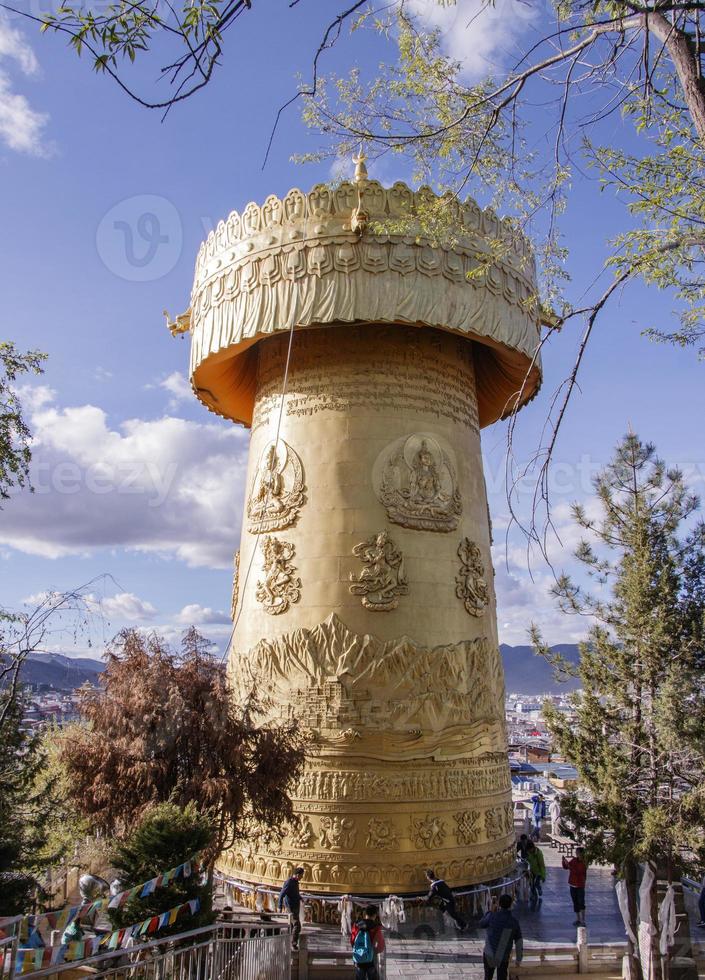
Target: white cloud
column 14, row 45
column 178, row 387
column 35, row 397
column 523, row 580
column 35, row 599
column 168, row 486
column 341, row 168
column 480, row 34
column 196, row 615
column 128, row 607
column 21, row 125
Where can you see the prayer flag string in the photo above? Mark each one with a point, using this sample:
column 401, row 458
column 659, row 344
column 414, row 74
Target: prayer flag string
column 31, row 960
column 60, row 918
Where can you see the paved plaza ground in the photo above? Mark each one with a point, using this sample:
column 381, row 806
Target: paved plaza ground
column 550, row 921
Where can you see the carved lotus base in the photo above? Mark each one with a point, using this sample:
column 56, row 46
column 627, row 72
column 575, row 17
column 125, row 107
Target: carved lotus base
column 378, row 876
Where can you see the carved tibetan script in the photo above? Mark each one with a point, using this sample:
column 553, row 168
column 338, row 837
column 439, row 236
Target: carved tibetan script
column 388, row 369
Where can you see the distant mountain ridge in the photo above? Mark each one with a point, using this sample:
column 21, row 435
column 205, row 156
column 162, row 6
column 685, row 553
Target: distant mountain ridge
column 56, row 670
column 525, row 673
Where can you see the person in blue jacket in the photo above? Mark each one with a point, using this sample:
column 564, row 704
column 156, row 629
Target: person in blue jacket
column 538, row 808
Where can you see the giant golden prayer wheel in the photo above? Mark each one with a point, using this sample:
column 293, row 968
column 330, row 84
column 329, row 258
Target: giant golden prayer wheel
column 365, row 605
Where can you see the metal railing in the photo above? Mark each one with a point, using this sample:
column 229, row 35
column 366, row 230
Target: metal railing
column 9, row 931
column 249, row 950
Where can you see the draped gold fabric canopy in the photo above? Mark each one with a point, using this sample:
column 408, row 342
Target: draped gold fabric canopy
column 356, row 254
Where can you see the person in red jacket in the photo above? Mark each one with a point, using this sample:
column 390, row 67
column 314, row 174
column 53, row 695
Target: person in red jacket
column 576, row 880
column 366, row 969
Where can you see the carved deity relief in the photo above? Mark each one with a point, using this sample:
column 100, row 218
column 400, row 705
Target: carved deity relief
column 428, row 832
column 382, row 580
column 471, row 586
column 277, row 492
column 337, row 832
column 380, row 835
column 303, row 835
column 280, row 586
column 467, row 830
column 499, row 822
column 236, row 584
column 415, row 480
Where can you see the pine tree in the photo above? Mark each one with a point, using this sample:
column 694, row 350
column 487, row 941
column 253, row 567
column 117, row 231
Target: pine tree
column 165, row 837
column 29, row 789
column 24, row 812
column 639, row 739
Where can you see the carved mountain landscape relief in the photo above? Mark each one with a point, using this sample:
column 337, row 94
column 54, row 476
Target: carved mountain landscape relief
column 333, row 675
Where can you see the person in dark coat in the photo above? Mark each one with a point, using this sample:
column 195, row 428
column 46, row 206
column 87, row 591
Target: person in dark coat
column 291, row 897
column 503, row 931
column 440, row 896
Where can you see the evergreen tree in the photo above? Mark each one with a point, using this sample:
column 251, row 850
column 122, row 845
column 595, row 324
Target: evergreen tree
column 23, row 811
column 638, row 741
column 29, row 790
column 165, row 837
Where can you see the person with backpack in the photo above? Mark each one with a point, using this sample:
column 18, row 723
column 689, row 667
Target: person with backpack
column 441, row 897
column 367, row 941
column 291, row 897
column 503, row 930
column 537, row 870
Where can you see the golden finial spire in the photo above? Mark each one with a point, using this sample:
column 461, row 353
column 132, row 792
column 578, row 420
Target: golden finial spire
column 360, row 168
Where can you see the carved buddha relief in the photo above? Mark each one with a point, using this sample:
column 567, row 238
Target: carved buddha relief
column 277, row 491
column 415, row 480
column 382, row 580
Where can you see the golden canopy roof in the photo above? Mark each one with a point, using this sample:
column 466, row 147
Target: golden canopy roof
column 358, row 253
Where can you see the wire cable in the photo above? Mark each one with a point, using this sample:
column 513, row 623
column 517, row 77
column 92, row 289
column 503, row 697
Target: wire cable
column 285, row 384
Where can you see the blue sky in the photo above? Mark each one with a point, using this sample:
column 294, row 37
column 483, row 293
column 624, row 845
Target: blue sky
column 133, row 478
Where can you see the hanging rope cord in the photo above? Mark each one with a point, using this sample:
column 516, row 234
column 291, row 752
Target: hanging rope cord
column 282, row 396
